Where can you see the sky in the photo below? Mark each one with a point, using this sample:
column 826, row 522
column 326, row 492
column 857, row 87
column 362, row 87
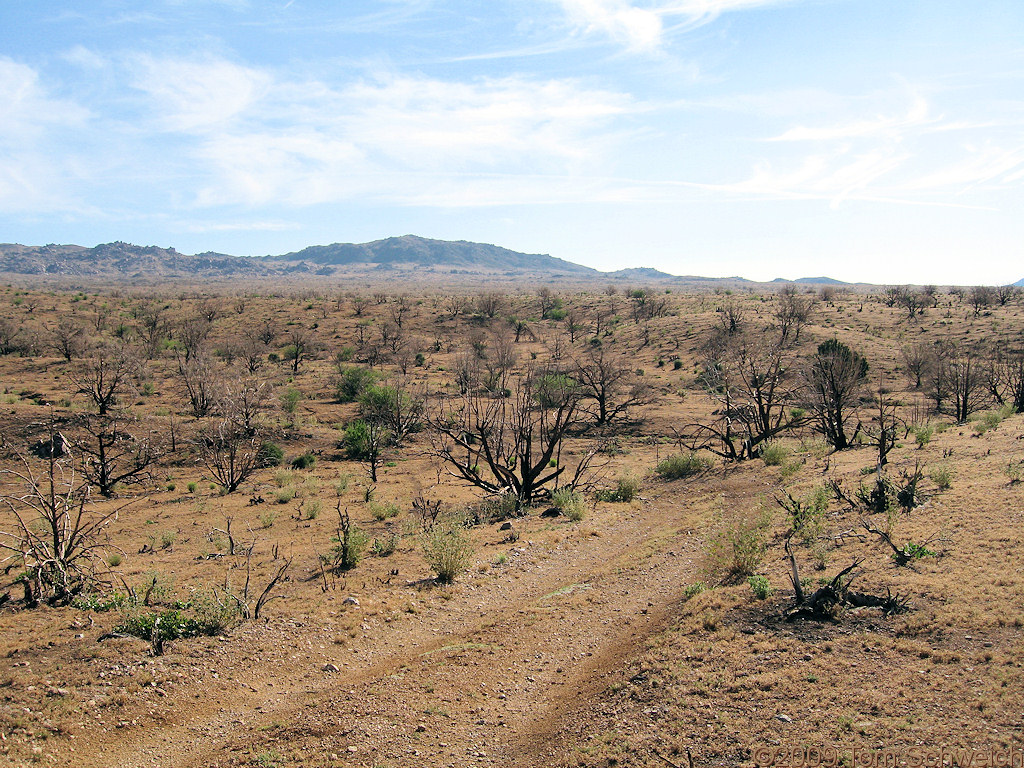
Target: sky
column 866, row 140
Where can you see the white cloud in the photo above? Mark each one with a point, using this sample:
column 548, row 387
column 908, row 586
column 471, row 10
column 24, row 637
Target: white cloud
column 27, row 107
column 31, row 121
column 430, row 124
column 197, row 94
column 637, row 28
column 906, row 157
column 642, row 27
column 980, row 166
column 265, row 138
column 880, row 127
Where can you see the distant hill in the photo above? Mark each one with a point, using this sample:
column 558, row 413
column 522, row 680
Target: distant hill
column 811, row 281
column 411, row 250
column 122, row 260
column 1019, row 283
column 639, row 273
column 407, row 258
column 126, row 261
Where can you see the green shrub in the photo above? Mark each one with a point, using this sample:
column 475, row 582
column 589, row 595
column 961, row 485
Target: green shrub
column 101, row 603
column 942, row 476
column 447, row 550
column 349, row 545
column 341, row 484
column 271, row 454
column 208, row 618
column 494, row 509
column 569, row 502
column 192, row 487
column 738, row 545
column 385, row 547
column 305, row 461
column 760, row 586
column 773, row 454
column 682, row 465
column 626, row 489
column 284, row 495
column 1014, row 472
column 694, row 589
column 384, row 510
column 923, row 435
column 360, row 441
column 912, row 551
column 986, row 421
column 290, row 400
column 267, row 519
column 352, row 382
column 790, row 468
column 552, row 389
column 807, row 514
column 114, row 560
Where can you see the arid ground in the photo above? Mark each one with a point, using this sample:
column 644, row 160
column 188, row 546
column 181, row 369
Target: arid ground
column 643, row 615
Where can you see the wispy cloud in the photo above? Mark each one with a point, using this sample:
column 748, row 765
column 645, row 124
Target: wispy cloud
column 909, row 156
column 32, row 121
column 199, row 93
column 917, row 115
column 266, row 137
column 643, row 26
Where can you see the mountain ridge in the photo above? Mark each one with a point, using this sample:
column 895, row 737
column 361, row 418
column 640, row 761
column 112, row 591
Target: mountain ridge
column 120, row 260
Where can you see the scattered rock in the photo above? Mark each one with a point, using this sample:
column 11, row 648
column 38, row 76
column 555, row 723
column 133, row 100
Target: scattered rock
column 331, row 668
column 784, row 718
column 350, row 601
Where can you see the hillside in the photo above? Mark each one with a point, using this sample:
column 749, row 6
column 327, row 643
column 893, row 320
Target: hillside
column 121, row 260
column 411, row 250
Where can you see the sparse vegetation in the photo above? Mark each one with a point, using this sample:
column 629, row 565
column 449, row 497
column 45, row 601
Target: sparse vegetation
column 528, row 427
column 682, row 465
column 447, row 550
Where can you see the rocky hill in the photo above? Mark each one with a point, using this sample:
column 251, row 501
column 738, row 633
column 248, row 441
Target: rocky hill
column 120, row 260
column 123, row 260
column 411, row 250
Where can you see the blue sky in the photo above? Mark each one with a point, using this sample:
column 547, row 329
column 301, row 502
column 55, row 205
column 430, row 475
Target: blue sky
column 875, row 140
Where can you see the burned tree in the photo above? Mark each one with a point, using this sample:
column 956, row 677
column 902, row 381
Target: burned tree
column 114, row 454
column 962, row 369
column 229, row 454
column 510, row 444
column 105, row 376
column 609, row 385
column 1005, row 378
column 201, row 383
column 754, row 386
column 58, row 537
column 792, row 313
column 834, row 378
column 69, row 339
